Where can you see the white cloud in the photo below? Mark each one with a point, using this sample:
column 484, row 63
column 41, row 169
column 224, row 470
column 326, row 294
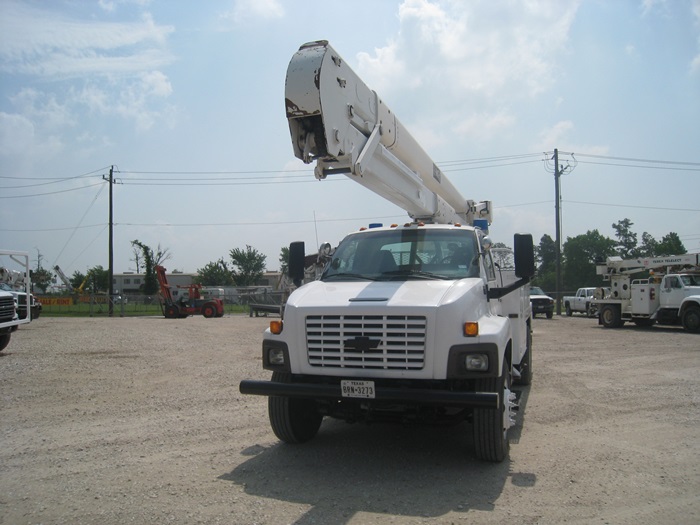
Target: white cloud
column 486, row 125
column 466, row 61
column 43, row 107
column 695, row 63
column 650, row 5
column 139, row 100
column 16, row 134
column 42, row 43
column 248, row 9
column 481, row 46
column 558, row 135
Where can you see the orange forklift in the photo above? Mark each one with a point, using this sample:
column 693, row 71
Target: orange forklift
column 192, row 304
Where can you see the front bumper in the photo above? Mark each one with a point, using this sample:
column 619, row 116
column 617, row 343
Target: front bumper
column 542, row 308
column 382, row 394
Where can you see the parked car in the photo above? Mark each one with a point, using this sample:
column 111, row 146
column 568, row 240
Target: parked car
column 541, row 302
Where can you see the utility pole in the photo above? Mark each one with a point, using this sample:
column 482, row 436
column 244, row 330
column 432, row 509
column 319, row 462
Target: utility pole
column 557, row 206
column 110, row 272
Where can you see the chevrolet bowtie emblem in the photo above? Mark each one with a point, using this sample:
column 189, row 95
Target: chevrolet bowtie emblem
column 361, row 344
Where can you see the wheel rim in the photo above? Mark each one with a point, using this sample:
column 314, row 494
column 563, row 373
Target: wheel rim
column 607, row 316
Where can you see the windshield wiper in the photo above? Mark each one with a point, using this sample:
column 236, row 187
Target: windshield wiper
column 418, row 274
column 346, row 274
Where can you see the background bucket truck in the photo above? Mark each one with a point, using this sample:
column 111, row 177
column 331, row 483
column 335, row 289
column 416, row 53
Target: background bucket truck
column 9, row 299
column 670, row 296
column 407, row 323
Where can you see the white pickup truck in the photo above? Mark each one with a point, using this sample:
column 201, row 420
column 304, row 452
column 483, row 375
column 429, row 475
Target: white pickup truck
column 581, row 302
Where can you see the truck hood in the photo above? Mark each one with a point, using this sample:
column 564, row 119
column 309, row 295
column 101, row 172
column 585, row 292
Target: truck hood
column 385, row 293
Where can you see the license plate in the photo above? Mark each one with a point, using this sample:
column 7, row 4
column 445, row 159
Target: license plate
column 364, row 389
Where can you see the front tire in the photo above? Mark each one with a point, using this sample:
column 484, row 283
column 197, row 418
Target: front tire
column 293, row 420
column 691, row 319
column 172, row 312
column 208, row 311
column 491, row 426
column 4, row 341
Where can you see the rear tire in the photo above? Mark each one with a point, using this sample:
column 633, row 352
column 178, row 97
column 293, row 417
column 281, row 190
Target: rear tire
column 691, row 319
column 4, row 341
column 610, row 316
column 569, row 311
column 293, row 420
column 491, row 426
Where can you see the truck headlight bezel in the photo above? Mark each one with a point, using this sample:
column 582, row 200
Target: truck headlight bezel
column 483, row 354
column 275, row 356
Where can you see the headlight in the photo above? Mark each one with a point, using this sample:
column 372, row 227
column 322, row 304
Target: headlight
column 476, row 362
column 275, row 356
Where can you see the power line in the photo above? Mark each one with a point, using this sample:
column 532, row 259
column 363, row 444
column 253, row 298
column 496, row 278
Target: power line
column 93, row 172
column 49, row 193
column 632, row 206
column 627, row 159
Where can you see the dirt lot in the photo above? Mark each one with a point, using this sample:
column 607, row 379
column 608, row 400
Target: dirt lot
column 139, row 420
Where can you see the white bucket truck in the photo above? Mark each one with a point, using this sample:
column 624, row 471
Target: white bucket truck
column 9, row 306
column 671, row 294
column 407, row 323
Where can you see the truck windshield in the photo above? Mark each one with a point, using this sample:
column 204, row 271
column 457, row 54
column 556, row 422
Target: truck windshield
column 691, row 280
column 405, row 254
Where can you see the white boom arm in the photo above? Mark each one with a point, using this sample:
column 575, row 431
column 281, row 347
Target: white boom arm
column 336, row 120
column 618, row 265
column 63, row 277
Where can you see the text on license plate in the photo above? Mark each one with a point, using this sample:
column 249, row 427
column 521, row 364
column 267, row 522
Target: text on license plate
column 350, row 388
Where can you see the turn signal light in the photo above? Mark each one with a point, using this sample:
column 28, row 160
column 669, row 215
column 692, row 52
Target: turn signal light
column 276, row 327
column 471, row 329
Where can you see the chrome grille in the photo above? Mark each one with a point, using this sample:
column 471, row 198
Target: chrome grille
column 384, row 342
column 7, row 309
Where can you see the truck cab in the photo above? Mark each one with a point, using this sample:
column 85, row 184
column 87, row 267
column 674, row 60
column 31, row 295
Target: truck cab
column 679, row 299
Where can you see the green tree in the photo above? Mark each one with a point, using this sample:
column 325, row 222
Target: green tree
column 77, row 279
column 215, row 273
column 649, row 246
column 580, row 256
column 41, row 278
column 546, row 254
column 546, row 257
column 248, row 265
column 626, row 239
column 150, row 260
column 98, row 279
column 284, row 260
column 670, row 245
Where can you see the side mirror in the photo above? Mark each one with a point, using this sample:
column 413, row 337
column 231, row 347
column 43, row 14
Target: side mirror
column 524, row 255
column 296, row 262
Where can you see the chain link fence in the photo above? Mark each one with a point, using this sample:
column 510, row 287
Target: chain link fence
column 236, row 301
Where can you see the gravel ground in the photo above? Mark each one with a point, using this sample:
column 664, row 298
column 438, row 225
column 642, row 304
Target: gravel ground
column 139, row 420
